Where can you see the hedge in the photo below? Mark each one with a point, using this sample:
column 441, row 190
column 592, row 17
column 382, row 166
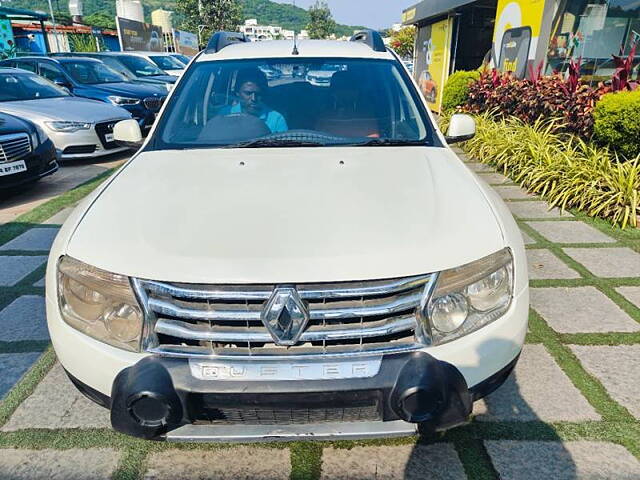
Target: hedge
column 617, row 122
column 456, row 90
column 566, row 171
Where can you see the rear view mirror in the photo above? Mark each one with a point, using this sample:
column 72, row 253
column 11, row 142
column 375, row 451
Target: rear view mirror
column 462, row 127
column 126, row 133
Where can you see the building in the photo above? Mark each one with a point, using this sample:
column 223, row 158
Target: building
column 518, row 36
column 163, row 18
column 258, row 33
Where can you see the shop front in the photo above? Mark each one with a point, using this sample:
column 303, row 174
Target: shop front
column 518, row 36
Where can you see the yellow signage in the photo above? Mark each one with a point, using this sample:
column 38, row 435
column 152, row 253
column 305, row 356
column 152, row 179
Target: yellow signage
column 518, row 24
column 408, row 15
column 436, row 48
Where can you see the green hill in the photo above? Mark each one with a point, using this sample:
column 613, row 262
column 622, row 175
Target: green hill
column 265, row 11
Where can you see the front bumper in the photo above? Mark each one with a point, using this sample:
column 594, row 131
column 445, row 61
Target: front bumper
column 159, row 398
column 83, row 144
column 40, row 163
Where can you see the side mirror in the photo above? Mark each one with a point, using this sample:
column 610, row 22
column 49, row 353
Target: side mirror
column 462, row 127
column 126, row 133
column 63, row 84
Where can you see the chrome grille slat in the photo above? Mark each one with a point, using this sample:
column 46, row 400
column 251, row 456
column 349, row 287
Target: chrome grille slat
column 344, row 318
column 176, row 328
column 307, row 292
column 397, row 304
column 14, row 146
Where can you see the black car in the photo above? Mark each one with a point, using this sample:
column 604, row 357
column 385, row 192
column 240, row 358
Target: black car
column 91, row 78
column 26, row 153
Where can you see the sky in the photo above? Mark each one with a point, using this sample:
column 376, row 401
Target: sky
column 369, row 13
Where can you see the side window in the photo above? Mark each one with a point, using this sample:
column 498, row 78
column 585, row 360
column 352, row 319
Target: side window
column 116, row 65
column 26, row 65
column 51, row 72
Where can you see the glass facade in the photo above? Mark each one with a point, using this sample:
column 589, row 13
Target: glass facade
column 594, row 30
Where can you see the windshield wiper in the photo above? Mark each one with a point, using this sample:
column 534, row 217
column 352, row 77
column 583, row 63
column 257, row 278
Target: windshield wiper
column 389, row 142
column 272, row 142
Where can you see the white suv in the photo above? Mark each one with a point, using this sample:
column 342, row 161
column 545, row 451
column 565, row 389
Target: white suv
column 283, row 260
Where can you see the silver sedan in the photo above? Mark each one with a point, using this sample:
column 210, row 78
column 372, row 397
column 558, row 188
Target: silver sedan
column 78, row 127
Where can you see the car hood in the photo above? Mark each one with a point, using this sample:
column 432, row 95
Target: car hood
column 11, row 124
column 161, row 78
column 73, row 109
column 130, row 89
column 288, row 215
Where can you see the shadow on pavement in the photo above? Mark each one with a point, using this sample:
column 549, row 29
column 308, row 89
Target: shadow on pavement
column 557, row 465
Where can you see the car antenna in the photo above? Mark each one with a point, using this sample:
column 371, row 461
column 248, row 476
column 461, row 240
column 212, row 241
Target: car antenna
column 295, row 38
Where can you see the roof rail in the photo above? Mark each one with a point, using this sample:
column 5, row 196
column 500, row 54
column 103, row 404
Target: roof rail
column 219, row 40
column 371, row 38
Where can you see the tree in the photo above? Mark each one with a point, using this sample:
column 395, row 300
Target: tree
column 322, row 23
column 101, row 20
column 403, row 41
column 209, row 16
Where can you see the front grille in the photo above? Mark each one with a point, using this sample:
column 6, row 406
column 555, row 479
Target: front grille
column 153, row 103
column 288, row 416
column 14, row 147
column 207, row 410
column 104, row 128
column 351, row 317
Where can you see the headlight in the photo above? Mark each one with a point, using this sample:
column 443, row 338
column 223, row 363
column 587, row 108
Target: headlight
column 68, row 127
column 99, row 304
column 117, row 100
column 469, row 297
column 38, row 137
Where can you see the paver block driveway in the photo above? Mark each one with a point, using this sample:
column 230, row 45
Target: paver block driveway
column 410, row 462
column 562, row 461
column 241, row 463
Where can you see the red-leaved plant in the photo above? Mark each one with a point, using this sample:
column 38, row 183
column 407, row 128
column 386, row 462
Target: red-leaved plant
column 539, row 97
column 621, row 79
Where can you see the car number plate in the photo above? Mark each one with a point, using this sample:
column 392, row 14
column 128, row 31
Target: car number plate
column 13, row 167
column 269, row 371
column 108, row 137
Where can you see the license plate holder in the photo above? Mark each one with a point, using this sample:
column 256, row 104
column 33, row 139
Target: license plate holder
column 12, row 168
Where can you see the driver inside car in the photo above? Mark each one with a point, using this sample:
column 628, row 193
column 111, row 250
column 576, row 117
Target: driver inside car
column 251, row 86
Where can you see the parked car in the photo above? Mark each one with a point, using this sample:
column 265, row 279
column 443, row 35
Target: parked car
column 26, row 152
column 78, row 127
column 322, row 77
column 182, row 58
column 134, row 67
column 319, row 282
column 164, row 61
column 91, row 78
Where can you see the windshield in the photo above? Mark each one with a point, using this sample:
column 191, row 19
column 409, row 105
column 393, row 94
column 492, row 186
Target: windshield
column 239, row 104
column 25, row 86
column 183, row 58
column 141, row 67
column 166, row 62
column 92, row 73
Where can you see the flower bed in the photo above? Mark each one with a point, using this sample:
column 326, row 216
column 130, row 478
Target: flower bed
column 565, row 170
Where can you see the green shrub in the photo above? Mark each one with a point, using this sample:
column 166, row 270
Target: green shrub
column 456, row 90
column 617, row 122
column 563, row 169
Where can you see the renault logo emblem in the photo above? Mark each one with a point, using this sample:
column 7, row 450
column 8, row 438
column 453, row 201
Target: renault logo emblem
column 285, row 316
column 3, row 156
